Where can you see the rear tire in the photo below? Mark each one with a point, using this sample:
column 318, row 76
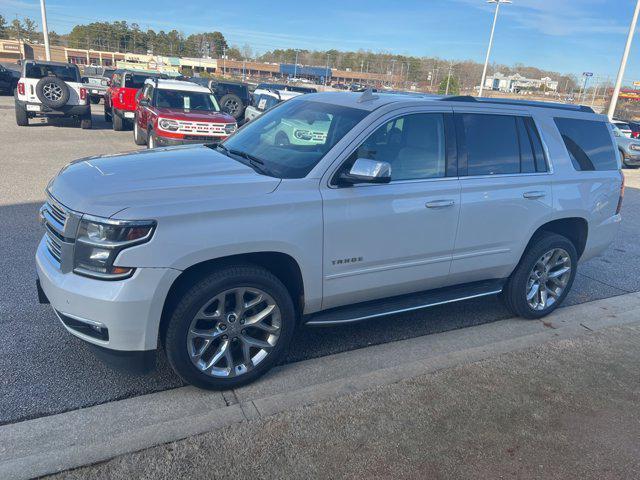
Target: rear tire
column 94, row 100
column 22, row 118
column 86, row 123
column 233, row 105
column 532, row 270
column 189, row 355
column 117, row 122
column 107, row 115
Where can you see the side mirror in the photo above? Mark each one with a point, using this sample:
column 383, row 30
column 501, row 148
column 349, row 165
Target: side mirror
column 85, row 79
column 365, row 170
column 143, row 102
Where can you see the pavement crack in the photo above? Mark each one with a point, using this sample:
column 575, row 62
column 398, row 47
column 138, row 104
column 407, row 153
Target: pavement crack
column 605, row 283
column 229, row 397
column 584, row 326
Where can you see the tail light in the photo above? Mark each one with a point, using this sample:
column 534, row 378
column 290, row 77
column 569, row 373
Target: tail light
column 619, row 207
column 83, row 94
column 635, row 134
column 21, row 89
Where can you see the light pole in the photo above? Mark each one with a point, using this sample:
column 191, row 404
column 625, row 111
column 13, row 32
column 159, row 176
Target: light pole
column 623, row 63
column 295, row 68
column 326, row 73
column 493, row 28
column 45, row 30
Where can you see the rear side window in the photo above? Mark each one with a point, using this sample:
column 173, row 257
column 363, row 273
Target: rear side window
column 492, row 144
column 588, row 143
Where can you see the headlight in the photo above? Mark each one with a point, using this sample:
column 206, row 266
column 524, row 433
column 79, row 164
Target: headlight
column 99, row 241
column 104, row 83
column 229, row 128
column 634, row 146
column 168, row 124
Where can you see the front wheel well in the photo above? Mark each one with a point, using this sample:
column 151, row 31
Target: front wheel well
column 576, row 229
column 283, row 266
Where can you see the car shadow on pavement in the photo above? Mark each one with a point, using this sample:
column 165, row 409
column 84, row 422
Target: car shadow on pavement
column 96, row 119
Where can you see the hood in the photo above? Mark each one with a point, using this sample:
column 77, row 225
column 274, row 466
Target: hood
column 195, row 115
column 106, row 185
column 625, row 142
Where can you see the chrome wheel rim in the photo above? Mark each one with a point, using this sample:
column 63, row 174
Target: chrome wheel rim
column 234, row 332
column 52, row 91
column 152, row 143
column 548, row 279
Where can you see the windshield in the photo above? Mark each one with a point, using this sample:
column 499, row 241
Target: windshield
column 292, row 138
column 184, row 100
column 68, row 73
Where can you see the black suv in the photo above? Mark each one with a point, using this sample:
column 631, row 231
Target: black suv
column 8, row 80
column 233, row 97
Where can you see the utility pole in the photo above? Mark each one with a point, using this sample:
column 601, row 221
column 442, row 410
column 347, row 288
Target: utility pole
column 623, row 63
column 493, row 28
column 45, row 30
column 326, row 73
column 449, row 78
column 224, row 52
column 295, row 67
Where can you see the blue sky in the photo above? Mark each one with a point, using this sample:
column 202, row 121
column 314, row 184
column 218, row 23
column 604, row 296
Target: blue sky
column 563, row 35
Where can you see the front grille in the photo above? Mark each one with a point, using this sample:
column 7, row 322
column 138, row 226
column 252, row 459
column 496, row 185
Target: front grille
column 60, row 224
column 54, row 246
column 202, row 128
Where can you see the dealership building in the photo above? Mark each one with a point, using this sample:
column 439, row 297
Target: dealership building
column 11, row 51
column 516, row 82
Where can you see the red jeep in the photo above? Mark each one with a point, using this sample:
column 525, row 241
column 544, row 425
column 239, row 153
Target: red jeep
column 173, row 112
column 120, row 99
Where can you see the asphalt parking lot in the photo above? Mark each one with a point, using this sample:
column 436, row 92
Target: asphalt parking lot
column 46, row 370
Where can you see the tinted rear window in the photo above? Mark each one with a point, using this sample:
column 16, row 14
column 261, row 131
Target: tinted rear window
column 135, row 80
column 588, row 143
column 492, row 144
column 68, row 73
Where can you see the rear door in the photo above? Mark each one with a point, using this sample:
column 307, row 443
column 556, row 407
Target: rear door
column 382, row 240
column 505, row 192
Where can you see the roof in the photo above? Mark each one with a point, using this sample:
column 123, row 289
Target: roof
column 45, row 62
column 166, row 84
column 371, row 101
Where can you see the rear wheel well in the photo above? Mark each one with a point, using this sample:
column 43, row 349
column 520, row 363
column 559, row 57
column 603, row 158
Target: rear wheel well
column 576, row 229
column 283, row 266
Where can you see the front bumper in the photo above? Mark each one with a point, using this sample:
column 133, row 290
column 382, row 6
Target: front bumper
column 66, row 110
column 126, row 312
column 171, row 142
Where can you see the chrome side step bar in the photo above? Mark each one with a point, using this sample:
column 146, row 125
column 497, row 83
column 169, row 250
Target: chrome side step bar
column 404, row 303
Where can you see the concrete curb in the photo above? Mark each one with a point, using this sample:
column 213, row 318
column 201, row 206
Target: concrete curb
column 60, row 442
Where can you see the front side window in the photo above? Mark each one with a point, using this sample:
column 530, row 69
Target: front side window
column 292, row 138
column 588, row 143
column 185, row 100
column 414, row 146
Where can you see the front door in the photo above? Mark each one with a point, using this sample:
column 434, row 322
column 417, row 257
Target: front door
column 382, row 240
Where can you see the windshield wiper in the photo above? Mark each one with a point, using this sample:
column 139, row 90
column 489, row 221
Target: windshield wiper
column 254, row 162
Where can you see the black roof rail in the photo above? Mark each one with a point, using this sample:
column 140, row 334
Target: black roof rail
column 521, row 103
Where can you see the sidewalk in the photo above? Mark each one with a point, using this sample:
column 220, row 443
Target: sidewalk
column 567, row 408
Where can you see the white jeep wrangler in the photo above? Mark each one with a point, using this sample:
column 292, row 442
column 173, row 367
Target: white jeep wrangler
column 51, row 89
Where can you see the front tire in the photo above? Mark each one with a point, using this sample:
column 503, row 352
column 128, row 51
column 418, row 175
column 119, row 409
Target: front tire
column 151, row 139
column 86, row 122
column 543, row 278
column 138, row 137
column 230, row 328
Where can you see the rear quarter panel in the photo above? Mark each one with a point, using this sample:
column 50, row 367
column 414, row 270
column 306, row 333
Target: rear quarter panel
column 592, row 195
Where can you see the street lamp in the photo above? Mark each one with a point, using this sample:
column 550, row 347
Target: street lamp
column 493, row 27
column 295, row 68
column 623, row 63
column 45, row 31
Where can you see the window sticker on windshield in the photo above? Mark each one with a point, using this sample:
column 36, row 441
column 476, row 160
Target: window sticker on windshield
column 262, row 103
column 187, row 103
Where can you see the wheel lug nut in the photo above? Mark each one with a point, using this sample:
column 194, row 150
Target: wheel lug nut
column 244, row 331
column 242, row 321
column 223, row 327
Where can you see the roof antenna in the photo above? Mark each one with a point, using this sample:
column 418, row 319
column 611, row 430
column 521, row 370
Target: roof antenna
column 367, row 96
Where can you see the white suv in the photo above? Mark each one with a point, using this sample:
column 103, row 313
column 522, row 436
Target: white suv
column 51, row 89
column 384, row 204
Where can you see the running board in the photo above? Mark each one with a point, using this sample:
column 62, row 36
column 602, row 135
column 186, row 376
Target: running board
column 404, row 303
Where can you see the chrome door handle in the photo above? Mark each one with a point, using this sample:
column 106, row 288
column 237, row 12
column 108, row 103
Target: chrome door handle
column 440, row 204
column 534, row 195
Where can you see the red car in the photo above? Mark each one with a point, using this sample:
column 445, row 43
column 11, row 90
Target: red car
column 173, row 112
column 120, row 99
